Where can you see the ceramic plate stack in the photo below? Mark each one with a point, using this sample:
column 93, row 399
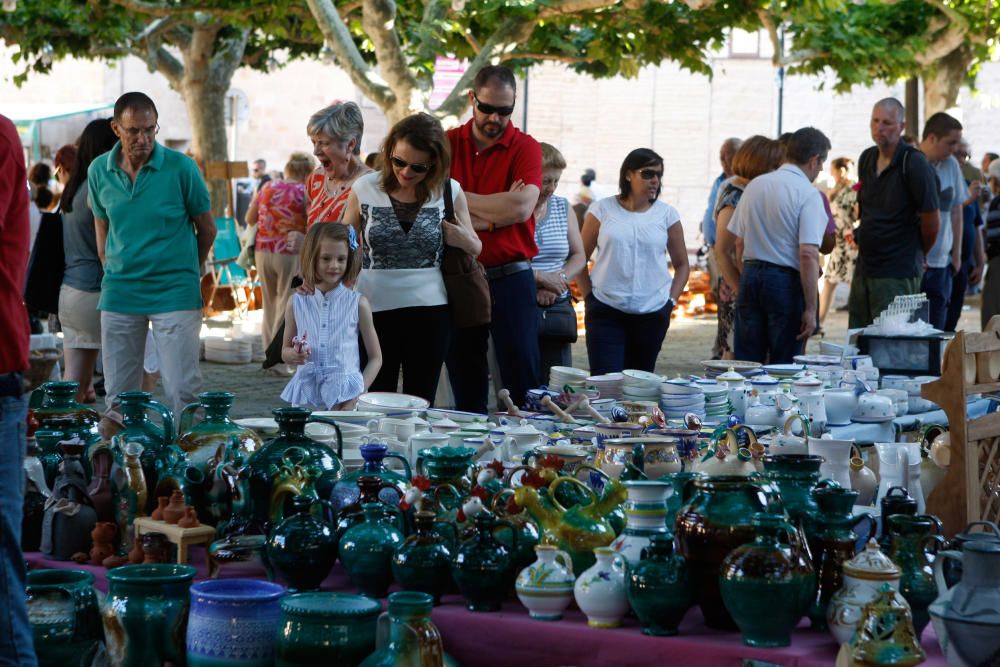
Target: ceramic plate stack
column 641, row 386
column 560, row 376
column 817, row 359
column 783, row 371
column 717, row 406
column 228, row 350
column 716, row 367
column 679, row 397
column 610, row 385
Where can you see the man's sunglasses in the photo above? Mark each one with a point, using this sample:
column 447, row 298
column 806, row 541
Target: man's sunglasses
column 415, row 166
column 648, row 174
column 489, row 109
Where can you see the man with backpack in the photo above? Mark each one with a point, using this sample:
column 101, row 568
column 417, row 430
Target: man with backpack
column 898, row 199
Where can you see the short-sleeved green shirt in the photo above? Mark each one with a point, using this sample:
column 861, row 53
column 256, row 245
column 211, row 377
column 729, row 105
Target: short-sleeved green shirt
column 151, row 256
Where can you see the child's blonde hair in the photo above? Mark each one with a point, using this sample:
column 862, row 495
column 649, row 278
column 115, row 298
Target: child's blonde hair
column 330, row 231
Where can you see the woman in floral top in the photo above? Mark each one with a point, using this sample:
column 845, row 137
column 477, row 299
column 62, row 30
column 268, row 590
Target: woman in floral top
column 840, row 265
column 279, row 210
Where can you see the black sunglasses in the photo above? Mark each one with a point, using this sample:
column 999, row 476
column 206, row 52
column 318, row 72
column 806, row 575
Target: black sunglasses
column 415, row 166
column 489, row 109
column 648, row 174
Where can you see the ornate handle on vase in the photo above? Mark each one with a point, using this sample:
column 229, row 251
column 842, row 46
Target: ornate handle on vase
column 402, row 459
column 571, row 480
column 336, row 429
column 939, row 562
column 166, row 417
column 184, row 423
column 566, row 561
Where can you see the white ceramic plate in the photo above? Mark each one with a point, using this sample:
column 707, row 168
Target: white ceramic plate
column 723, row 365
column 642, row 376
column 871, row 420
column 569, row 371
column 784, row 369
column 385, row 400
column 350, row 416
column 264, row 425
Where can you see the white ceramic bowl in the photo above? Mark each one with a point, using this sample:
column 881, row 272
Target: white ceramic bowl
column 360, row 418
column 388, row 402
column 679, row 389
column 894, row 382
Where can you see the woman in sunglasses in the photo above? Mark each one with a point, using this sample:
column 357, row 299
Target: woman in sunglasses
column 399, row 212
column 630, row 292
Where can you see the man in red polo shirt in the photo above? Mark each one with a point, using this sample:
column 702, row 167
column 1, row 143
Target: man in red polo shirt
column 488, row 156
column 15, row 632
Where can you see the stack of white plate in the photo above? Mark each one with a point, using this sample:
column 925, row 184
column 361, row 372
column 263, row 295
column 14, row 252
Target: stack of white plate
column 228, row 350
column 388, row 403
column 784, row 371
column 717, row 406
column 610, row 385
column 716, row 367
column 641, row 385
column 560, row 376
column 678, row 398
column 817, row 359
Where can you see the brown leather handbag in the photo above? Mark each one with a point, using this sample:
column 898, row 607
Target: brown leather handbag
column 464, row 279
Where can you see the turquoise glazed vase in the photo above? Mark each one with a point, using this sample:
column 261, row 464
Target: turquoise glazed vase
column 483, row 567
column 422, row 562
column 325, row 629
column 366, row 551
column 231, row 623
column 302, row 549
column 49, row 455
column 136, row 406
column 913, row 545
column 146, row 613
column 406, row 636
column 795, row 475
column 64, row 616
column 681, row 490
column 659, row 587
column 763, row 586
column 55, row 408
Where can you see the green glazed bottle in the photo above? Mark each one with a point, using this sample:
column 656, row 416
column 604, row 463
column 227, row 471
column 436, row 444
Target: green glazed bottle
column 366, row 551
column 423, row 561
column 154, row 438
column 406, row 637
column 483, row 567
column 302, row 549
column 796, row 475
column 325, row 629
column 913, row 545
column 55, row 408
column 763, row 585
column 201, row 441
column 659, row 587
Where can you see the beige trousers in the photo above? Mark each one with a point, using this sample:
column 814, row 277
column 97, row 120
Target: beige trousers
column 275, row 271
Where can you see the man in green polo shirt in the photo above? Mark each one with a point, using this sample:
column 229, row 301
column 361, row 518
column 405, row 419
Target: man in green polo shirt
column 155, row 227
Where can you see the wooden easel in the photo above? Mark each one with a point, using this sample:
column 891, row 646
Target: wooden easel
column 220, row 169
column 970, row 490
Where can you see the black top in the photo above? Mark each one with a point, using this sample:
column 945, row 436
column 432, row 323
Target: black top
column 889, row 236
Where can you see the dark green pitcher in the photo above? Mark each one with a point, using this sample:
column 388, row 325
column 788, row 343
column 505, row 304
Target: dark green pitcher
column 423, row 561
column 136, row 406
column 54, row 406
column 483, row 567
column 913, row 545
column 64, row 616
column 366, row 551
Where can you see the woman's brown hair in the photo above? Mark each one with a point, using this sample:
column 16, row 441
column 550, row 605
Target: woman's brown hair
column 329, row 231
column 424, row 133
column 758, row 155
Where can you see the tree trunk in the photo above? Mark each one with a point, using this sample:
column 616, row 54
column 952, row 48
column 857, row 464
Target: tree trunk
column 912, row 106
column 943, row 82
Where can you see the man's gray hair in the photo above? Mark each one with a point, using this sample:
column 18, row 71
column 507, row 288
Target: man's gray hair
column 341, row 121
column 732, row 144
column 895, row 105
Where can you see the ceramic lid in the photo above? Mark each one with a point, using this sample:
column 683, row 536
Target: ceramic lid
column 415, row 418
column 446, row 422
column 525, row 429
column 872, row 564
column 807, row 379
column 730, row 376
column 330, row 605
column 763, row 378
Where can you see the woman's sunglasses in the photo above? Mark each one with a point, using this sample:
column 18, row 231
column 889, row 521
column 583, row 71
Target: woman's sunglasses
column 648, row 174
column 415, row 166
column 489, row 109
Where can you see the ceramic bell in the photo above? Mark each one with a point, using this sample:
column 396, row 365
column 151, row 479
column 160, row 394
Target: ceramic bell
column 885, row 634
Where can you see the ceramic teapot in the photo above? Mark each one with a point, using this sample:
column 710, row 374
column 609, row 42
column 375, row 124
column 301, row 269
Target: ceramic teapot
column 771, row 415
column 967, row 616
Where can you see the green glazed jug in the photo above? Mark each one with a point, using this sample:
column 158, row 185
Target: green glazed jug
column 136, row 406
column 202, row 441
column 796, row 475
column 406, row 637
column 325, row 629
column 64, row 616
column 302, row 549
column 55, row 408
column 423, row 561
column 145, row 614
column 366, row 551
column 914, row 542
column 763, row 586
column 659, row 587
column 483, row 567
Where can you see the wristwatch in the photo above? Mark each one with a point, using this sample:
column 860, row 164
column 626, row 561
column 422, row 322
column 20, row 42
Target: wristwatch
column 562, row 274
column 671, row 303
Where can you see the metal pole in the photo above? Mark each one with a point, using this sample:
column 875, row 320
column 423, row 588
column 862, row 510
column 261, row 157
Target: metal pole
column 524, row 108
column 781, row 84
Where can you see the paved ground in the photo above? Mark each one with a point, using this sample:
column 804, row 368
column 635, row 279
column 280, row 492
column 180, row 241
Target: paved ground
column 687, row 343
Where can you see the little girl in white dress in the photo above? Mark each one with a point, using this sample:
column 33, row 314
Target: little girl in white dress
column 321, row 329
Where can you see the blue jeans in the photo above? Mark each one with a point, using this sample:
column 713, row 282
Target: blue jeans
column 514, row 329
column 16, row 647
column 936, row 284
column 617, row 340
column 768, row 314
column 959, row 283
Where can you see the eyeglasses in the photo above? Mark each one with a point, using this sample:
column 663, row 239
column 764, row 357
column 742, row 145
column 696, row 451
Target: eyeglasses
column 489, row 109
column 649, row 174
column 415, row 166
column 134, row 132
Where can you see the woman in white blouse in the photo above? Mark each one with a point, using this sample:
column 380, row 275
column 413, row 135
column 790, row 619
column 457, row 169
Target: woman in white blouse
column 632, row 292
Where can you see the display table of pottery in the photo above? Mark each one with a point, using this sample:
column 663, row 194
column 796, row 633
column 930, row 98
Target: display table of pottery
column 480, row 638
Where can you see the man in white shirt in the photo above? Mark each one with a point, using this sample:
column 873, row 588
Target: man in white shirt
column 779, row 225
column 942, row 134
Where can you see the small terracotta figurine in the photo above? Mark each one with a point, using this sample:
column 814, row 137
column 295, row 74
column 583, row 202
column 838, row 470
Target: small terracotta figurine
column 161, row 504
column 103, row 536
column 190, row 519
column 175, row 508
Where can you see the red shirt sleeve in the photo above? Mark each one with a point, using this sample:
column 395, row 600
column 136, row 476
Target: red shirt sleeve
column 526, row 164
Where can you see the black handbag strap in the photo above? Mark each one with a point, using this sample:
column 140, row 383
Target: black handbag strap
column 449, row 206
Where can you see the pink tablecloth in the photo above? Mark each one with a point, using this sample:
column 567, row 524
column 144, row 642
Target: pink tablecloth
column 511, row 637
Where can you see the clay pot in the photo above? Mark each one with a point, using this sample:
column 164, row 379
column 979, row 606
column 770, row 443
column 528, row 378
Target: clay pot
column 190, row 518
column 175, row 509
column 136, row 555
column 103, row 536
column 156, row 548
column 161, row 505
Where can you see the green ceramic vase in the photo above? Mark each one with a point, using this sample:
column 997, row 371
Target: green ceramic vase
column 763, row 586
column 302, row 549
column 146, row 612
column 346, row 492
column 55, row 408
column 406, row 636
column 366, row 551
column 201, row 441
column 64, row 616
column 483, row 567
column 48, row 453
column 659, row 587
column 325, row 629
column 422, row 562
column 913, row 545
column 795, row 475
column 136, row 406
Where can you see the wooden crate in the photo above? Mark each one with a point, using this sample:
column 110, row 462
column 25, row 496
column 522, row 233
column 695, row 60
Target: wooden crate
column 970, row 490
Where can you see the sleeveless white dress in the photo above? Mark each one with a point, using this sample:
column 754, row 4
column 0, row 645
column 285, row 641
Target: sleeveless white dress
column 332, row 373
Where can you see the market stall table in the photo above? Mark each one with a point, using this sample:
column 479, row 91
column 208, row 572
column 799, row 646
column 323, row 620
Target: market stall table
column 511, row 637
column 869, row 433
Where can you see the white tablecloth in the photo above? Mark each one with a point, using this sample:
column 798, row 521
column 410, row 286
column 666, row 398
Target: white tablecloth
column 867, row 434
